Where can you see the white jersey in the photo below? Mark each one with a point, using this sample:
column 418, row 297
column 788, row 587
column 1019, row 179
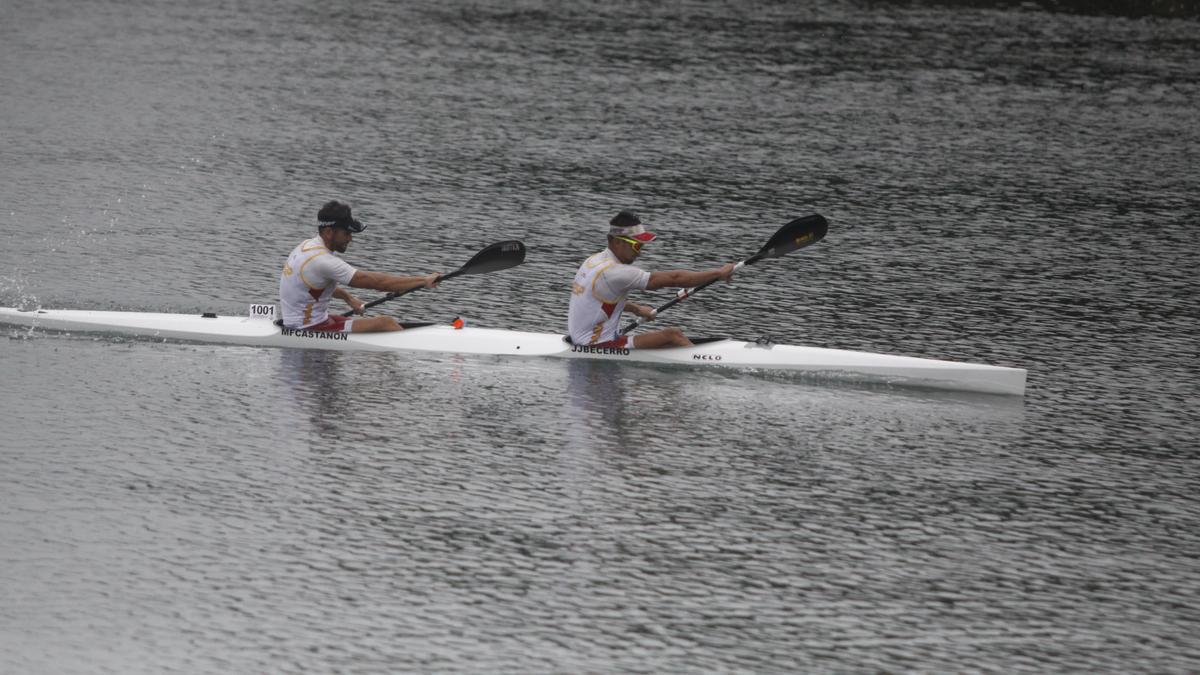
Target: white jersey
column 310, row 276
column 598, row 297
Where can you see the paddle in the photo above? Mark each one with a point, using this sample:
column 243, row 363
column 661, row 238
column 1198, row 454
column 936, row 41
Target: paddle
column 795, row 235
column 499, row 256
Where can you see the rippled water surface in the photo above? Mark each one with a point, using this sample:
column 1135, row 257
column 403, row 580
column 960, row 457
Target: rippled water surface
column 1007, row 186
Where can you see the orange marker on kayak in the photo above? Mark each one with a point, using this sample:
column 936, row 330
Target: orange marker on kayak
column 458, row 323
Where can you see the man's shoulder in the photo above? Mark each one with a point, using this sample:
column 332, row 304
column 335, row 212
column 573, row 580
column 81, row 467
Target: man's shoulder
column 622, row 275
column 596, row 260
column 333, row 267
column 310, row 245
column 610, row 261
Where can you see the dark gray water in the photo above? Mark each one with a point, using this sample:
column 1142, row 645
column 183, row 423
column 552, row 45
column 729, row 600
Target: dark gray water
column 1006, row 186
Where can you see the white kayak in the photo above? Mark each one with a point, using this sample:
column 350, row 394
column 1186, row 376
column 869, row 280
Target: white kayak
column 259, row 329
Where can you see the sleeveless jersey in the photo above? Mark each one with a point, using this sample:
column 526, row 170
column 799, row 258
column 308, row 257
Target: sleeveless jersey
column 598, row 297
column 310, row 276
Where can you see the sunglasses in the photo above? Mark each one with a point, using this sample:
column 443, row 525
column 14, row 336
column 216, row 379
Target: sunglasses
column 352, row 226
column 637, row 245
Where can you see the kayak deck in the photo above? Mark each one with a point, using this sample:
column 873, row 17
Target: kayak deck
column 719, row 352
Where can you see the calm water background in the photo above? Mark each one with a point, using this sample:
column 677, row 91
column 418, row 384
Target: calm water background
column 1007, row 186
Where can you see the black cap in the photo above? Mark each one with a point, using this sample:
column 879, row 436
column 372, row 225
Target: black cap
column 337, row 214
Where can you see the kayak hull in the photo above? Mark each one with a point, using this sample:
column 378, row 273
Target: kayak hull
column 712, row 353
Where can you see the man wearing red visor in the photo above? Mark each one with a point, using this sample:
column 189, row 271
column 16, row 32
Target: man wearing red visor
column 602, row 283
column 312, row 274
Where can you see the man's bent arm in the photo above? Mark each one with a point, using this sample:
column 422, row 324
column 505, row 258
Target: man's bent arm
column 639, row 310
column 345, row 296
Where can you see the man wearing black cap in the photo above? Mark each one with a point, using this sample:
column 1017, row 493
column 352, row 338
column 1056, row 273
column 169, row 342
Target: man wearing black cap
column 602, row 283
column 313, row 273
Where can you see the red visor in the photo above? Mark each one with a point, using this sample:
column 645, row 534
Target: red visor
column 637, row 232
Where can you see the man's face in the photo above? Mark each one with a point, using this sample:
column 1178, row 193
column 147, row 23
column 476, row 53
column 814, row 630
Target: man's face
column 339, row 239
column 627, row 250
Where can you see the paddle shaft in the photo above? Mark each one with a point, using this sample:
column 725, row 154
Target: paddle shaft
column 794, row 235
column 393, row 296
column 493, row 258
column 680, row 296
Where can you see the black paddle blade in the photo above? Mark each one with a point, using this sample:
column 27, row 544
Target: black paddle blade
column 795, row 235
column 499, row 256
